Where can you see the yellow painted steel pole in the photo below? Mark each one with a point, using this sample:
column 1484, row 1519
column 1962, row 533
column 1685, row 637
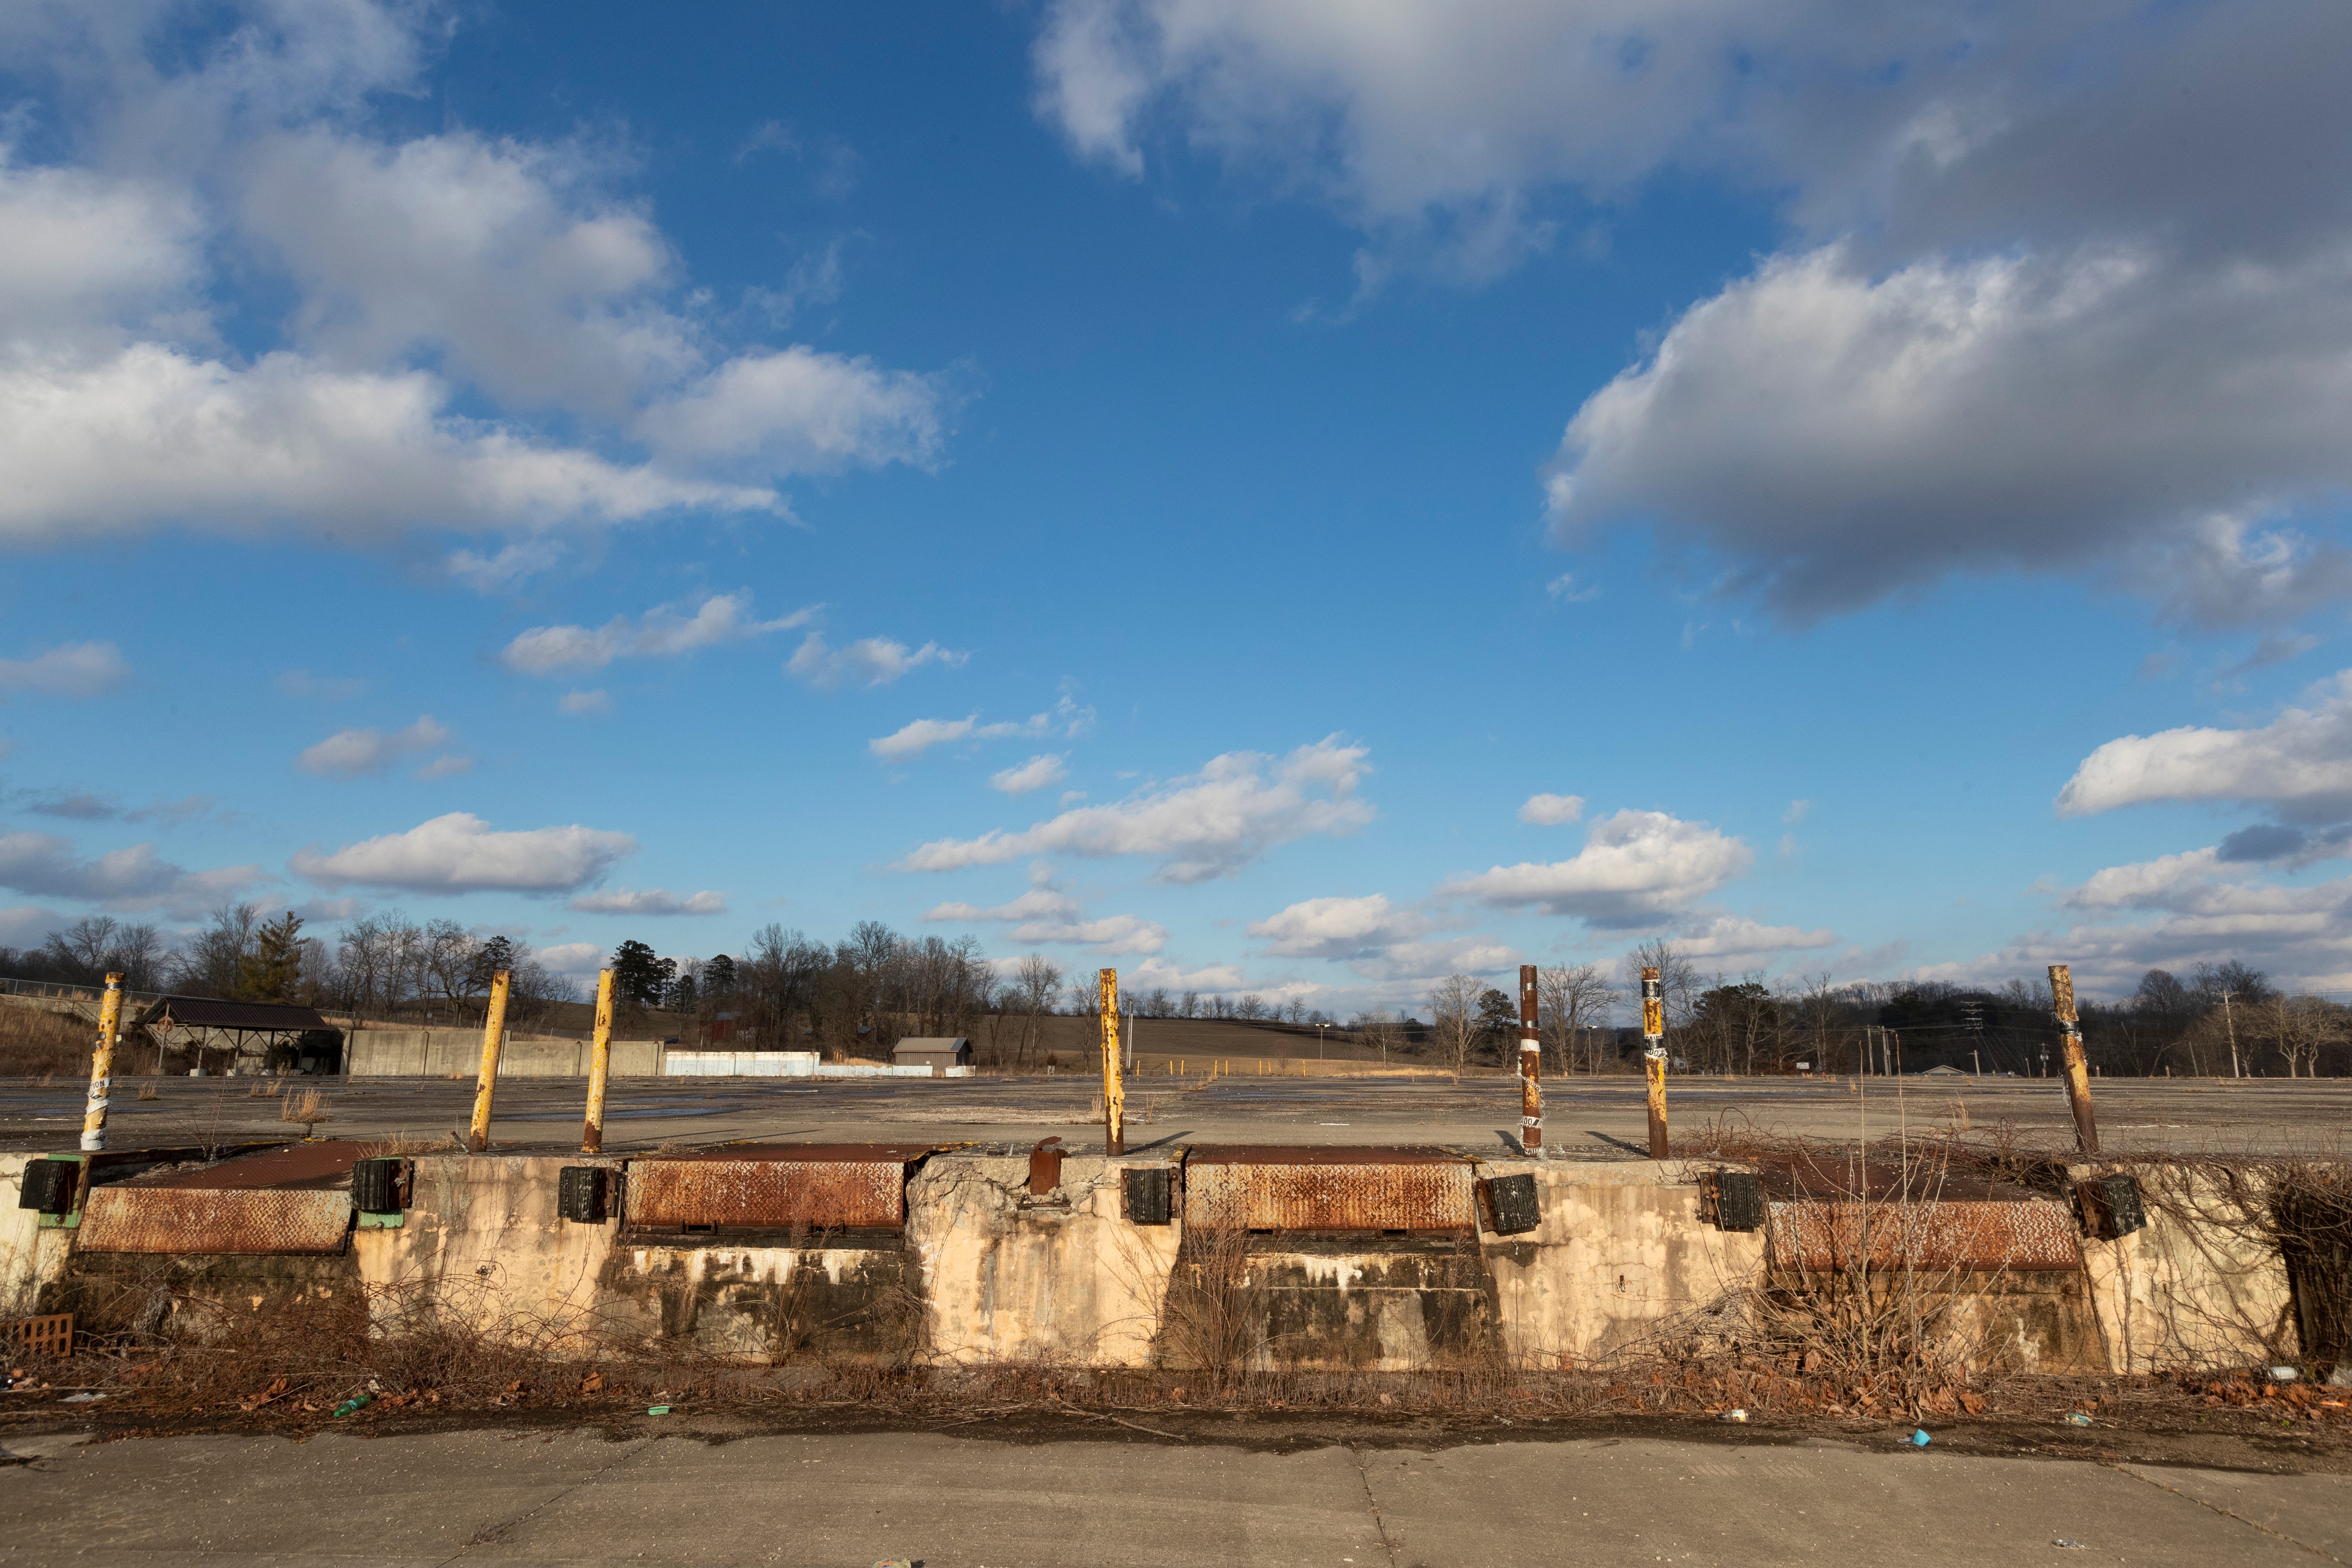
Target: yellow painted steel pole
column 494, row 1030
column 101, row 1067
column 1654, row 1058
column 600, row 1060
column 1114, row 1096
column 1530, row 1066
column 2078, row 1072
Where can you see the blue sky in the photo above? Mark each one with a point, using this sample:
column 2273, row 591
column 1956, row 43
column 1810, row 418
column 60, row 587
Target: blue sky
column 1271, row 498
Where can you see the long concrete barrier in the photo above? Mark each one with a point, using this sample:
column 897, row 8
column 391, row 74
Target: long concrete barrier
column 1378, row 1259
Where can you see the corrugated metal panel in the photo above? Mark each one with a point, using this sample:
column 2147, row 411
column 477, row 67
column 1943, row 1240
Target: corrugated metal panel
column 815, row 1194
column 1824, row 1237
column 1329, row 1189
column 213, row 1220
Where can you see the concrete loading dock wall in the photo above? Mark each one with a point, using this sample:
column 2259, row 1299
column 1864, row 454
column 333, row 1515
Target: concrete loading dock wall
column 982, row 1266
column 440, row 1053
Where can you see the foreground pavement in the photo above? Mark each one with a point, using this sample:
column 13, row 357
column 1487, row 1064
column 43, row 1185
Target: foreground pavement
column 949, row 1502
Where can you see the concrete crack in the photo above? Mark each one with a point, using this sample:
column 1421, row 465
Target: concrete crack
column 2226, row 1513
column 491, row 1534
column 1364, row 1474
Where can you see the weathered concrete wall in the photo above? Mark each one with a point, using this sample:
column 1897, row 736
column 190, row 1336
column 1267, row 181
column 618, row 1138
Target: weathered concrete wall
column 438, row 1053
column 2200, row 1285
column 1006, row 1277
column 30, row 1256
column 1353, row 1303
column 482, row 1241
column 1621, row 1255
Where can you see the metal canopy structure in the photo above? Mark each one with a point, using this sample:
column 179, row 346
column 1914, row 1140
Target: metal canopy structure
column 204, row 1022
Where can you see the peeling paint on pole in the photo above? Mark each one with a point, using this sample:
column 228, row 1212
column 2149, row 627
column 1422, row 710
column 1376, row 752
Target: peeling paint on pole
column 2078, row 1071
column 1653, row 1056
column 101, row 1068
column 494, row 1030
column 1530, row 1065
column 600, row 1063
column 1114, row 1092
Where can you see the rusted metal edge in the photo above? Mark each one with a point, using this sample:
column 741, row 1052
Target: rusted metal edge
column 215, row 1221
column 1829, row 1238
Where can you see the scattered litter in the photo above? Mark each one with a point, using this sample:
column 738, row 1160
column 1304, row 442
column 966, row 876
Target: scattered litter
column 351, row 1404
column 656, row 1409
column 2068, row 1545
column 2076, row 1419
column 1735, row 1416
column 1919, row 1438
column 2284, row 1375
column 79, row 1399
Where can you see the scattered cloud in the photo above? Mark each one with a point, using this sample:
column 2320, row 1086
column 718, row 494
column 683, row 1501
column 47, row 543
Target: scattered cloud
column 1035, row 774
column 302, row 683
column 2273, row 648
column 460, row 853
column 572, row 959
column 1047, row 915
column 446, row 766
column 1736, row 943
column 1797, row 811
column 868, row 662
column 1207, row 824
column 77, row 803
column 2299, row 766
column 1563, row 590
column 581, row 704
column 26, row 926
column 499, row 573
column 70, row 669
column 912, row 740
column 136, row 877
column 1552, row 810
column 1338, row 928
column 358, row 753
column 649, row 901
column 661, row 632
column 1637, row 869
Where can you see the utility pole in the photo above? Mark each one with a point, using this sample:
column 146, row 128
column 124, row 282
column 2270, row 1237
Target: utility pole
column 2230, row 1019
column 494, row 1030
column 101, row 1068
column 2078, row 1076
column 1653, row 1057
column 1530, row 1067
column 1114, row 1096
column 600, row 1062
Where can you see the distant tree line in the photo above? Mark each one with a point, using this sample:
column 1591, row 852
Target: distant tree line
column 860, row 996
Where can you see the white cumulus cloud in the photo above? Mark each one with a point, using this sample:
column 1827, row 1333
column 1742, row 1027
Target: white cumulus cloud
column 662, row 632
column 1207, row 824
column 1047, row 915
column 867, row 662
column 1035, row 774
column 1636, row 868
column 356, row 754
column 460, row 853
column 1550, row 810
column 72, row 669
column 2298, row 765
column 581, row 704
column 648, row 901
column 913, row 739
column 134, row 878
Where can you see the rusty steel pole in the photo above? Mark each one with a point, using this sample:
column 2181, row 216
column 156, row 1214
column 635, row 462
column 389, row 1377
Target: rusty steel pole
column 2078, row 1072
column 494, row 1030
column 1114, row 1095
column 101, row 1067
column 1530, row 1066
column 1654, row 1058
column 600, row 1062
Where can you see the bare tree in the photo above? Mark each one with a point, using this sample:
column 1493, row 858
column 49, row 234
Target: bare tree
column 1454, row 1016
column 1036, row 980
column 1378, row 1030
column 1571, row 998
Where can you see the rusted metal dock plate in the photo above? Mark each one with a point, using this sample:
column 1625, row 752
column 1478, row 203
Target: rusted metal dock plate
column 1830, row 1237
column 295, row 1199
column 1266, row 1187
column 775, row 1186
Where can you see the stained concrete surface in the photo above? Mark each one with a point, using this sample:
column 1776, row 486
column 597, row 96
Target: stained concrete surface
column 1588, row 1118
column 968, row 1501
